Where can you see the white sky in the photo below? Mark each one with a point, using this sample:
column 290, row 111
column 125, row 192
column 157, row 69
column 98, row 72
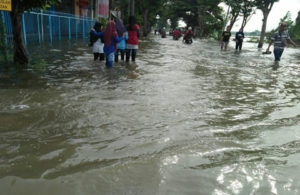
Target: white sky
column 279, row 10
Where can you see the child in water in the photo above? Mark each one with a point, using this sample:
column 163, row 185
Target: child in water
column 97, row 42
column 121, row 49
column 225, row 38
column 110, row 39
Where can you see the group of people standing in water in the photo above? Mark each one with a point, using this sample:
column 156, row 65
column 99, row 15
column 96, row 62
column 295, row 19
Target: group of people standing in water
column 239, row 38
column 115, row 40
column 279, row 38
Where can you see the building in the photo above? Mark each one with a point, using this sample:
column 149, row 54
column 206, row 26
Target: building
column 84, row 8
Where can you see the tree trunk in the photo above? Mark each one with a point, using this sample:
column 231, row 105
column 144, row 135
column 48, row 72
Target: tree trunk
column 263, row 29
column 145, row 28
column 232, row 21
column 3, row 45
column 20, row 57
column 245, row 18
column 201, row 21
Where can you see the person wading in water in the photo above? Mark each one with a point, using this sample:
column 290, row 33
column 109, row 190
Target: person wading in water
column 225, row 38
column 239, row 38
column 280, row 39
column 110, row 39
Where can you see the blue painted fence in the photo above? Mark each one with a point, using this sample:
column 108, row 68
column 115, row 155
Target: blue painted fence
column 49, row 26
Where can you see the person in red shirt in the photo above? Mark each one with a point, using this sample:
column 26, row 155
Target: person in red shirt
column 132, row 44
column 163, row 33
column 176, row 34
column 188, row 36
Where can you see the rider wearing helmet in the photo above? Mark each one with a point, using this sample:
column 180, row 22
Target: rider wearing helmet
column 176, row 34
column 163, row 33
column 188, row 35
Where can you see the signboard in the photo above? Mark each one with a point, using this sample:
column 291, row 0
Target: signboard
column 103, row 8
column 5, row 5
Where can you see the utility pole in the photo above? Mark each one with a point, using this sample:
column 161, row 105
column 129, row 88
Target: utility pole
column 110, row 8
column 131, row 13
column 111, row 4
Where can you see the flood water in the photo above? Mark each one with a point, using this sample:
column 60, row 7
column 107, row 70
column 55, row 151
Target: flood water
column 186, row 119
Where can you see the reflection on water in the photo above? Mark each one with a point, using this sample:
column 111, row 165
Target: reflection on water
column 185, row 119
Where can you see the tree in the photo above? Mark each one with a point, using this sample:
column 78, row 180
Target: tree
column 288, row 20
column 236, row 6
column 289, row 26
column 205, row 15
column 295, row 30
column 209, row 16
column 168, row 13
column 148, row 10
column 265, row 6
column 18, row 8
column 247, row 10
column 145, row 11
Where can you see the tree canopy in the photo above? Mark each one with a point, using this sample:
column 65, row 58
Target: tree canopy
column 295, row 29
column 31, row 4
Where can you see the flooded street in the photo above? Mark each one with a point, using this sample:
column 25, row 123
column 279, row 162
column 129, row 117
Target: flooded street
column 189, row 119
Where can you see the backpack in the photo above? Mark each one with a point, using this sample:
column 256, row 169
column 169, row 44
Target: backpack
column 94, row 38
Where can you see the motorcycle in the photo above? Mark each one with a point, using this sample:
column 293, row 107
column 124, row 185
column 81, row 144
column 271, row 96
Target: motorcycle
column 176, row 38
column 188, row 41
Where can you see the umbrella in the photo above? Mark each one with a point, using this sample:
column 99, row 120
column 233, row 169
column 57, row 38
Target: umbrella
column 120, row 27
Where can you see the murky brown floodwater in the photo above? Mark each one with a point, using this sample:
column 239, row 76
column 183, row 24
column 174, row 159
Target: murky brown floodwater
column 187, row 120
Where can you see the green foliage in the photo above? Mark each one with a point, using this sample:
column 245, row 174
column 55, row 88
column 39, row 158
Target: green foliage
column 286, row 19
column 253, row 40
column 153, row 8
column 32, row 4
column 38, row 66
column 235, row 10
column 175, row 10
column 295, row 30
column 247, row 10
column 206, row 15
column 235, row 6
column 104, row 21
column 265, row 5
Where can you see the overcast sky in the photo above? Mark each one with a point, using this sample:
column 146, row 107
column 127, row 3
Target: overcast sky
column 279, row 10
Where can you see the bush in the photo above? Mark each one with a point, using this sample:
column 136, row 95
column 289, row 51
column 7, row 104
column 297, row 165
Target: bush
column 253, row 40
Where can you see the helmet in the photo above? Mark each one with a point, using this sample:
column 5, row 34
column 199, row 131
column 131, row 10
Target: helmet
column 190, row 28
column 177, row 28
column 164, row 28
